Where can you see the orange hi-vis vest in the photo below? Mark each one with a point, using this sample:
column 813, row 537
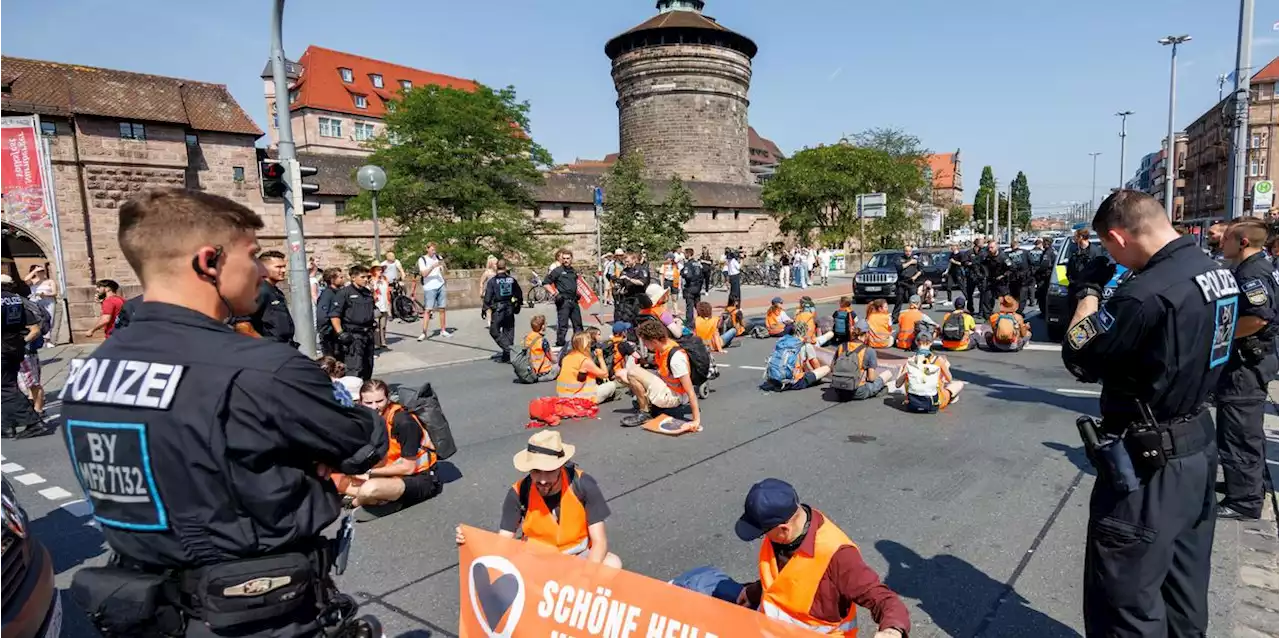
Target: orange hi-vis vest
column 708, row 330
column 771, row 321
column 568, row 533
column 572, row 381
column 656, row 310
column 805, row 318
column 538, row 359
column 732, row 313
column 425, row 458
column 619, row 362
column 907, row 321
column 881, row 329
column 663, row 359
column 787, row 594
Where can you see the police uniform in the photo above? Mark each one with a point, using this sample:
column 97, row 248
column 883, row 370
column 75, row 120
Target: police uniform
column 126, row 313
column 997, row 269
column 272, row 319
column 15, row 407
column 905, row 286
column 956, row 274
column 691, row 275
column 202, row 454
column 974, row 274
column 568, row 313
column 325, row 336
column 353, row 307
column 630, row 298
column 502, row 300
column 1158, row 346
column 1242, row 391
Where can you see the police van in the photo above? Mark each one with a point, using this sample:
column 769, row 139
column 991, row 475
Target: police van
column 1059, row 305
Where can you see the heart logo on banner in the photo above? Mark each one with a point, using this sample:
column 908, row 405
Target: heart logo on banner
column 497, row 594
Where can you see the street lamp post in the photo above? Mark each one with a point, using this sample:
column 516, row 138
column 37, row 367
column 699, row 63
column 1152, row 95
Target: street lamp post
column 1093, row 189
column 373, row 179
column 1124, row 118
column 1170, row 167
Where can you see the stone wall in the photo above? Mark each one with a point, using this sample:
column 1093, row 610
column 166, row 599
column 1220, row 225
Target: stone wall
column 685, row 108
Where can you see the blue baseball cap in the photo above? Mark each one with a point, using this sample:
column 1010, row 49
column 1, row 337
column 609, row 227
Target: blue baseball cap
column 776, row 300
column 958, row 301
column 769, row 503
column 620, row 327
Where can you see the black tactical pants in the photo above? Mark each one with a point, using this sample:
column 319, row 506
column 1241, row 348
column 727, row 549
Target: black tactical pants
column 357, row 354
column 567, row 312
column 973, row 292
column 502, row 327
column 15, row 408
column 901, row 293
column 1241, row 403
column 955, row 284
column 1146, row 564
column 690, row 306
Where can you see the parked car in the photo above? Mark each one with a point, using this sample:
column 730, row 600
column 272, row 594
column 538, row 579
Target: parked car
column 1059, row 305
column 32, row 608
column 879, row 275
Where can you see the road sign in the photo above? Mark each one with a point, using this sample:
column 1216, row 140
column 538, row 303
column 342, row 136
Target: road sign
column 1264, row 193
column 871, row 205
column 598, row 196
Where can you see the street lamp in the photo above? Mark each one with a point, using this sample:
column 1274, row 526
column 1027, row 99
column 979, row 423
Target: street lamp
column 1124, row 117
column 373, row 179
column 1171, row 41
column 1093, row 190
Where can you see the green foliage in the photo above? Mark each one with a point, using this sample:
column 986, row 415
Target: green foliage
column 815, row 191
column 460, row 173
column 955, row 217
column 357, row 255
column 1020, row 193
column 632, row 221
column 897, row 143
column 981, row 205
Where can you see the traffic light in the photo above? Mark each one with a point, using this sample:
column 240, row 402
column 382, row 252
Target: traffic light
column 305, row 189
column 274, row 177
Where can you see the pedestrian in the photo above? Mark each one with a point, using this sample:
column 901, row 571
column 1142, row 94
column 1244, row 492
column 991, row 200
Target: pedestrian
column 826, row 579
column 784, row 268
column 316, row 277
column 1158, row 346
column 232, row 439
column 824, row 264
column 733, row 272
column 21, row 327
column 565, row 280
column 43, row 293
column 490, row 269
column 434, row 291
column 909, row 273
column 381, row 288
column 691, row 276
column 1241, row 397
column 29, row 372
column 112, row 302
column 352, row 319
column 392, row 269
column 502, row 301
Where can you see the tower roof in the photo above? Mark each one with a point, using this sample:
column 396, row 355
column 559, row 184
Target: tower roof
column 674, row 25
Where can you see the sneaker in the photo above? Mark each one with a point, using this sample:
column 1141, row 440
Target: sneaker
column 8, row 433
column 634, row 420
column 32, row 431
column 423, row 336
column 1226, row 512
column 446, row 333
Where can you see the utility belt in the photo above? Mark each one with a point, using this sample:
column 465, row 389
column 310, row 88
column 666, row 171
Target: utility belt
column 126, row 598
column 359, row 330
column 1128, row 455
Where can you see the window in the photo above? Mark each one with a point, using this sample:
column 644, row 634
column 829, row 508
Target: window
column 364, row 131
column 48, row 129
column 237, row 174
column 565, row 211
column 347, row 75
column 133, row 131
column 714, row 213
column 537, row 212
column 362, row 102
column 330, row 127
column 193, row 139
column 1253, row 168
column 406, row 85
column 1255, row 140
column 339, row 206
column 293, row 96
column 376, row 79
column 735, row 214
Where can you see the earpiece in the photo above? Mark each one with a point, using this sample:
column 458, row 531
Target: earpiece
column 208, row 269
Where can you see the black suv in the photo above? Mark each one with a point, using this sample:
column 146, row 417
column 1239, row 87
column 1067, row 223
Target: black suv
column 877, row 278
column 32, row 608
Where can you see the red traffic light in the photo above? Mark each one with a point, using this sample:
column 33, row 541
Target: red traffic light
column 272, row 170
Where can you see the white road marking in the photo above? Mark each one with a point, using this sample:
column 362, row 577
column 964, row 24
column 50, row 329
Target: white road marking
column 52, row 415
column 1011, row 386
column 1087, row 393
column 752, row 367
column 78, row 507
column 10, row 468
column 1046, row 347
column 54, row 493
column 29, row 479
column 1, row 458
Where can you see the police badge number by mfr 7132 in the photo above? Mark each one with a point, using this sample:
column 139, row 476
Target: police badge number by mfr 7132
column 1224, row 330
column 113, row 463
column 1082, row 333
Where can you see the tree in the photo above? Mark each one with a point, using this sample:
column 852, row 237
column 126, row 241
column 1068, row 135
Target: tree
column 461, row 166
column 632, row 221
column 981, row 203
column 955, row 218
column 1020, row 193
column 896, row 142
column 816, row 190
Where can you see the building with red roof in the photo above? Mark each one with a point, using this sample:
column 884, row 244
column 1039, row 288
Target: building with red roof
column 948, row 182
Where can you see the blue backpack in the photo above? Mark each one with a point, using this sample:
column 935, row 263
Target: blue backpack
column 782, row 363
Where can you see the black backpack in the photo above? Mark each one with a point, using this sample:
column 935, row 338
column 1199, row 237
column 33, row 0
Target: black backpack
column 699, row 358
column 424, row 403
column 953, row 327
column 691, row 277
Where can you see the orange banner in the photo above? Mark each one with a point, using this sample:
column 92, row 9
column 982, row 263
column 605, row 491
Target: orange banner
column 510, row 589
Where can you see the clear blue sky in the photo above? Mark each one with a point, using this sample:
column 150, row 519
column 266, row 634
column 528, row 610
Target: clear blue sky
column 1017, row 85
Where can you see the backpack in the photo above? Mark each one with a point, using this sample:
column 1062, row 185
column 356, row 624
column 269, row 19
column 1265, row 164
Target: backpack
column 699, row 358
column 424, row 404
column 953, row 327
column 847, row 373
column 691, row 277
column 924, row 381
column 1005, row 330
column 781, row 371
column 526, row 484
column 523, row 366
column 841, row 325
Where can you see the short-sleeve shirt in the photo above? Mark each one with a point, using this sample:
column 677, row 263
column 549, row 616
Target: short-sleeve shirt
column 588, row 492
column 111, row 307
column 436, row 278
column 407, row 433
column 678, row 363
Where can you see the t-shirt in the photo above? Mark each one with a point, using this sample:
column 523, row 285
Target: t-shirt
column 111, row 307
column 588, row 492
column 678, row 363
column 905, row 272
column 391, row 270
column 407, row 433
column 734, row 266
column 436, row 278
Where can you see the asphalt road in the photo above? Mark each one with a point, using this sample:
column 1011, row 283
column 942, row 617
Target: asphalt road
column 975, row 516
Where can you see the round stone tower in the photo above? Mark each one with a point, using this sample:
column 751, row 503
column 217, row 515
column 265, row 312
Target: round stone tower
column 682, row 82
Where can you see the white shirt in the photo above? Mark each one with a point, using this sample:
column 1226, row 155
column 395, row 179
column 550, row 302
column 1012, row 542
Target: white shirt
column 436, row 278
column 678, row 363
column 734, row 266
column 391, row 270
column 43, row 295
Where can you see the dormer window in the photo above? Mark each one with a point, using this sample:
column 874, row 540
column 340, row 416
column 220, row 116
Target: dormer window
column 347, row 75
column 406, row 85
column 362, row 102
column 376, row 79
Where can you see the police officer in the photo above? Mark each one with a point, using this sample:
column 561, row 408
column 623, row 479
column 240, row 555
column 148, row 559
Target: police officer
column 502, row 300
column 352, row 317
column 272, row 319
column 631, row 285
column 1043, row 264
column 908, row 278
column 21, row 326
column 332, row 281
column 1019, row 274
column 996, row 271
column 956, row 272
column 565, row 280
column 1158, row 346
column 205, row 455
column 974, row 273
column 692, row 283
column 1241, row 397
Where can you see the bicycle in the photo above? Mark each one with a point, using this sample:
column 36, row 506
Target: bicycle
column 717, row 280
column 537, row 292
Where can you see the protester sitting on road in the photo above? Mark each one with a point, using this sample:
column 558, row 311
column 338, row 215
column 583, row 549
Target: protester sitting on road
column 1006, row 330
column 581, row 375
column 925, row 290
column 907, row 321
column 826, row 578
column 857, row 362
column 344, row 386
column 671, row 388
column 795, row 362
column 958, row 327
column 708, row 329
column 616, row 351
column 732, row 324
column 406, row 476
column 556, row 504
column 926, row 379
column 843, row 321
column 775, row 318
column 540, row 355
column 660, row 308
column 879, row 324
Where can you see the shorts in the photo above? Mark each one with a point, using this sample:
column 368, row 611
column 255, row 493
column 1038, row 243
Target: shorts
column 29, row 371
column 434, row 298
column 419, row 487
column 656, row 390
column 807, row 381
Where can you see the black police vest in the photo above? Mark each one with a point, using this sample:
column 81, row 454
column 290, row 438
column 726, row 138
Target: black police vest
column 14, row 322
column 275, row 322
column 359, row 306
column 504, row 286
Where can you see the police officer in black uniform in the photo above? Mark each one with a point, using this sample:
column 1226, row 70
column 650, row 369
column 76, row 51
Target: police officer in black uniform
column 20, row 327
column 352, row 317
column 692, row 283
column 206, row 455
column 630, row 286
column 1242, row 391
column 565, row 280
column 502, row 301
column 331, row 281
column 272, row 319
column 908, row 278
column 1043, row 262
column 956, row 275
column 974, row 274
column 1158, row 346
column 997, row 269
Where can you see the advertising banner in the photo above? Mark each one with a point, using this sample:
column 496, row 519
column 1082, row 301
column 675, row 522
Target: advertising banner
column 511, row 589
column 22, row 180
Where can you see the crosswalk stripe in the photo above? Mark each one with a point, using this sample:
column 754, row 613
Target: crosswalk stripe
column 10, row 468
column 752, row 367
column 1088, row 393
column 54, row 493
column 29, row 479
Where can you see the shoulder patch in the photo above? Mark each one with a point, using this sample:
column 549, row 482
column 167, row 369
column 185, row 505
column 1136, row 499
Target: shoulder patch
column 1105, row 320
column 113, row 463
column 1256, row 292
column 1082, row 333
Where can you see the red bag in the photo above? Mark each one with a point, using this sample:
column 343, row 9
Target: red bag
column 547, row 411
